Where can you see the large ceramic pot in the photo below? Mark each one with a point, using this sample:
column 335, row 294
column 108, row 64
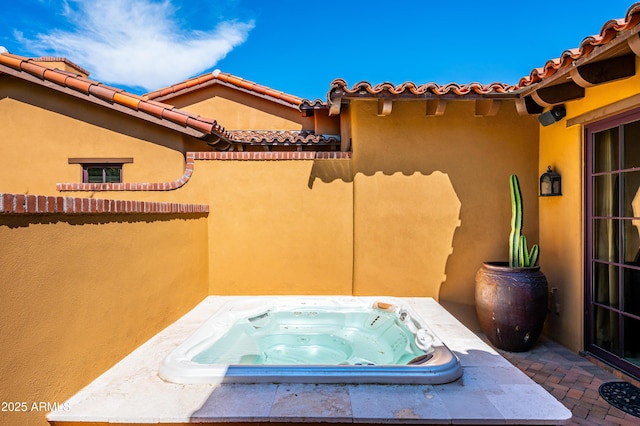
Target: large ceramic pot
column 511, row 304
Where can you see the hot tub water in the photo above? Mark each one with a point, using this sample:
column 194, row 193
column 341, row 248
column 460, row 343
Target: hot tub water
column 313, row 340
column 336, row 336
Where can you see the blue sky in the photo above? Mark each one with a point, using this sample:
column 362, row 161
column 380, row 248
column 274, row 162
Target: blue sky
column 299, row 47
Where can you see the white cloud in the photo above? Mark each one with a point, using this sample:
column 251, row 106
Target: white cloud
column 137, row 42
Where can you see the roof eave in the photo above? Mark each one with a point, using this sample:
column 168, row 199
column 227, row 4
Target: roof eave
column 190, row 131
column 624, row 43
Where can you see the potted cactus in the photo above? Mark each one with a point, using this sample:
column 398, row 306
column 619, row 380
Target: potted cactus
column 511, row 297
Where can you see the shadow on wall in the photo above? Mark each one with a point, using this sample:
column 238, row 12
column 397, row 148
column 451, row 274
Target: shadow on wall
column 329, row 170
column 24, row 221
column 404, row 225
column 450, row 183
column 403, row 233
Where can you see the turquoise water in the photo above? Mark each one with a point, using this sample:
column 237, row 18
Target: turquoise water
column 315, row 336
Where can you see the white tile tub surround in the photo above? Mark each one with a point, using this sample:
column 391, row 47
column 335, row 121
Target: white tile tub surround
column 490, row 391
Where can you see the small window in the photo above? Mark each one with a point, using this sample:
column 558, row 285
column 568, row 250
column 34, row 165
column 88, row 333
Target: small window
column 102, row 173
column 101, row 170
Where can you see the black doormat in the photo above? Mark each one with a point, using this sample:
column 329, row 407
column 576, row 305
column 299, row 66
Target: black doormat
column 622, row 395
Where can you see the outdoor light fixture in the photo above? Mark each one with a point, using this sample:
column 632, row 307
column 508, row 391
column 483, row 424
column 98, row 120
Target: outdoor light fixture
column 553, row 115
column 550, row 183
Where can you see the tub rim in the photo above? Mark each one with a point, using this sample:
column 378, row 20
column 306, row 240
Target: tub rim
column 176, row 367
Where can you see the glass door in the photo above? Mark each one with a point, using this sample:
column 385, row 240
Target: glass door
column 613, row 241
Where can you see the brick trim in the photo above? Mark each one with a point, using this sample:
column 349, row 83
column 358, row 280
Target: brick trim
column 272, row 155
column 132, row 186
column 44, row 204
column 205, row 155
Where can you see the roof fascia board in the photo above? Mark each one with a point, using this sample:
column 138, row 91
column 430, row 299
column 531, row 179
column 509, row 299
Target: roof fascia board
column 606, row 111
column 98, row 101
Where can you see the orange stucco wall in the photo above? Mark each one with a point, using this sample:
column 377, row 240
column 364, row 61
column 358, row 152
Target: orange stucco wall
column 421, row 205
column 277, row 227
column 290, row 220
column 431, row 195
column 562, row 218
column 78, row 293
column 236, row 110
column 42, row 129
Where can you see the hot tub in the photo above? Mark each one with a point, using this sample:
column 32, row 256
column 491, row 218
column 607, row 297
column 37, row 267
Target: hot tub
column 313, row 340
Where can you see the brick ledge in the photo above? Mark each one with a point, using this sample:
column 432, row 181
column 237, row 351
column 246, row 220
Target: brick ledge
column 44, row 204
column 205, row 155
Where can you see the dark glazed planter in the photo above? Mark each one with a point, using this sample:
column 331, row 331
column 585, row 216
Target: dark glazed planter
column 511, row 304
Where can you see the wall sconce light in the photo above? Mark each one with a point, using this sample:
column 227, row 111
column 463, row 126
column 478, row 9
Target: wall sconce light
column 550, row 183
column 553, row 115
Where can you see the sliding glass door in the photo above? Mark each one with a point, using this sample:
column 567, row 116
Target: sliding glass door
column 613, row 241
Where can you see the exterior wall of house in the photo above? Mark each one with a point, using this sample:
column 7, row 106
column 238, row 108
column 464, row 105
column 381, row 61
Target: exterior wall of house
column 561, row 232
column 421, row 205
column 562, row 224
column 236, row 110
column 79, row 292
column 431, row 195
column 277, row 227
column 42, row 129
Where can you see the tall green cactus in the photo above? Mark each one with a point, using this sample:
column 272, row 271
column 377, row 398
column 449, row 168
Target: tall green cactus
column 519, row 254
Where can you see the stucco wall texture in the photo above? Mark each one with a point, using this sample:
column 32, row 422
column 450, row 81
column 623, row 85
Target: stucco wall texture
column 421, row 204
column 431, row 195
column 41, row 130
column 562, row 224
column 78, row 293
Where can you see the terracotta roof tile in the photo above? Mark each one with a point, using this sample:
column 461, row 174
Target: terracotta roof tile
column 207, row 119
column 180, row 86
column 81, row 85
column 127, row 99
column 218, row 77
column 610, row 30
column 34, row 69
column 282, row 137
column 192, row 82
column 175, row 115
column 22, row 67
column 200, row 125
column 315, row 104
column 151, row 108
column 100, row 91
column 13, row 61
column 57, row 77
column 339, row 86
